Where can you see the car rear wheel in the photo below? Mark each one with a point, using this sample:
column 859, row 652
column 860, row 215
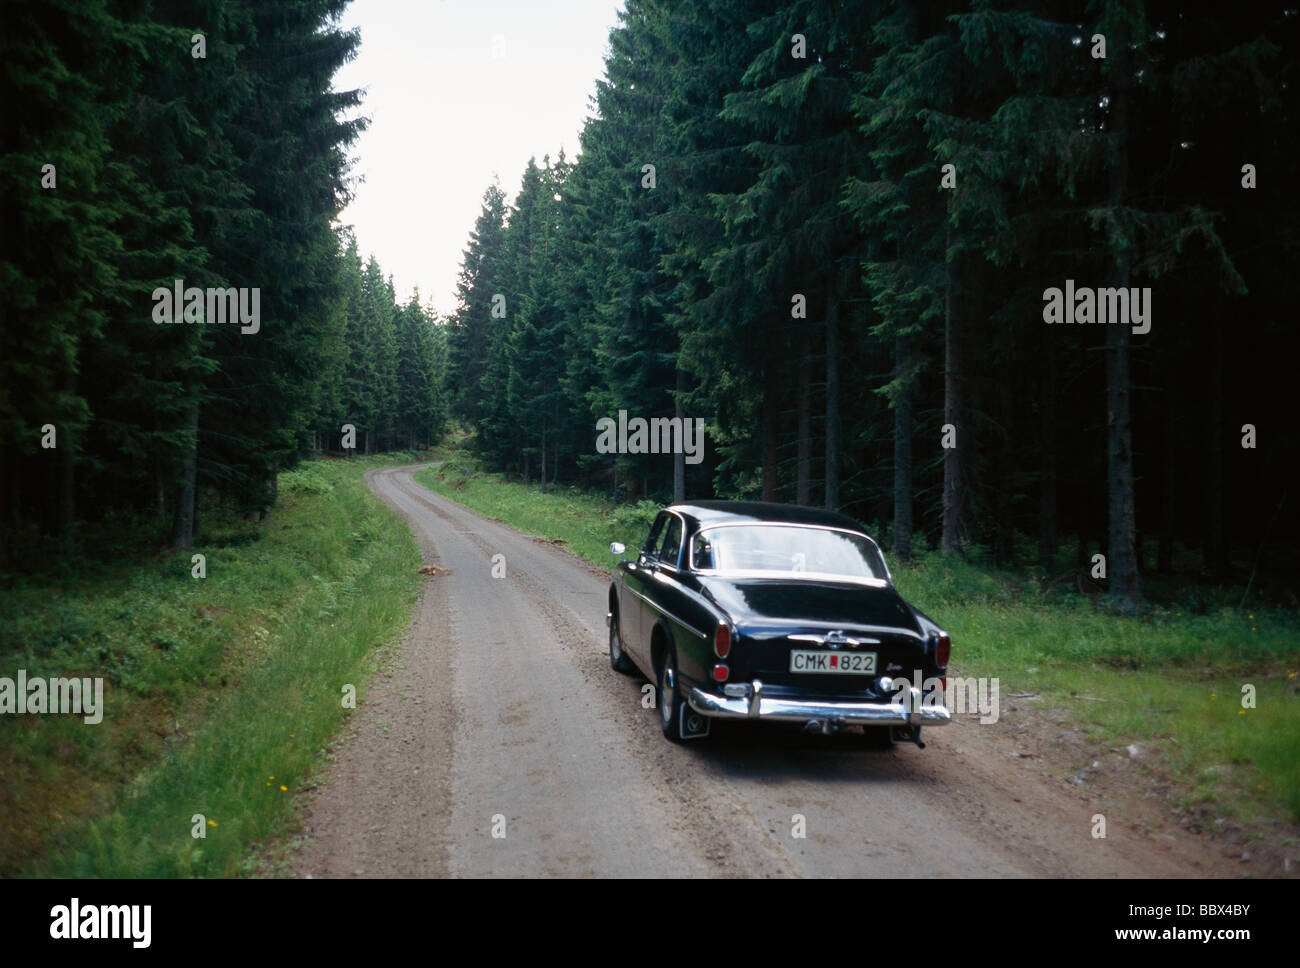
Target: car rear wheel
column 618, row 660
column 670, row 716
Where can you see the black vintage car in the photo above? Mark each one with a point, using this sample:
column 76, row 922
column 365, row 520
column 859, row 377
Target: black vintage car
column 770, row 612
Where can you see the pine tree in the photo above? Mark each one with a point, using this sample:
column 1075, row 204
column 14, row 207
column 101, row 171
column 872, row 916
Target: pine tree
column 472, row 326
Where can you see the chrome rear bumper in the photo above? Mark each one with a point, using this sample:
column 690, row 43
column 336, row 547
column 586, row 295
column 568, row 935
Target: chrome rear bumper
column 909, row 711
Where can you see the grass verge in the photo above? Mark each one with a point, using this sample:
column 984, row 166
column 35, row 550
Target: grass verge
column 220, row 693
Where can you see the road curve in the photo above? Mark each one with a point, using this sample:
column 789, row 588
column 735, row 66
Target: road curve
column 500, row 743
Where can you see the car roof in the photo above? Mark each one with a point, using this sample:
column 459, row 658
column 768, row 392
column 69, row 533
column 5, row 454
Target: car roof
column 702, row 514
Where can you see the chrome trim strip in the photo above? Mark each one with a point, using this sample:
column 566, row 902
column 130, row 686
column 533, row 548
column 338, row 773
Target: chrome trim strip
column 827, row 639
column 667, row 614
column 798, row 710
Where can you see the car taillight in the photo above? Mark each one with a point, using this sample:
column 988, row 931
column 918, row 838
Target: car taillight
column 722, row 641
column 720, row 672
column 943, row 650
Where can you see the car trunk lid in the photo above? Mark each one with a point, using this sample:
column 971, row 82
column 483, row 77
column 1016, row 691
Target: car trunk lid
column 837, row 619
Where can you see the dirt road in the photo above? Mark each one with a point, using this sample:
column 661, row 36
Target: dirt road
column 502, row 717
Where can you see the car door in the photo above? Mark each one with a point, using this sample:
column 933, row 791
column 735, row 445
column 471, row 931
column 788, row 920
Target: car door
column 637, row 576
column 662, row 564
column 679, row 605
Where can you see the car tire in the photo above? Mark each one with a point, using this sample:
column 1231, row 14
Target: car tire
column 877, row 737
column 618, row 660
column 670, row 715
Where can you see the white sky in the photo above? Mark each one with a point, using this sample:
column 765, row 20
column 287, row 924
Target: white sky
column 446, row 116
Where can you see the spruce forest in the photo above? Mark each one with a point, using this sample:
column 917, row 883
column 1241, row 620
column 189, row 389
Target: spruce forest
column 140, row 151
column 1008, row 278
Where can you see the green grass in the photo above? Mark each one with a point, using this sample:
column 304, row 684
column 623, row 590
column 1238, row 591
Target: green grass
column 1169, row 681
column 220, row 692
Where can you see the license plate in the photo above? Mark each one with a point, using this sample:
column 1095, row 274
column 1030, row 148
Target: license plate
column 846, row 663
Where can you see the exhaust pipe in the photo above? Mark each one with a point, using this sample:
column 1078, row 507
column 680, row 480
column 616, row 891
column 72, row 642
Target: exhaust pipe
column 824, row 726
column 907, row 734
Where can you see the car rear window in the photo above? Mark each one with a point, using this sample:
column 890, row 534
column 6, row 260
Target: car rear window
column 788, row 551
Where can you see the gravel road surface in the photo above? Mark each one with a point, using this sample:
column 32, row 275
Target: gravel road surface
column 502, row 716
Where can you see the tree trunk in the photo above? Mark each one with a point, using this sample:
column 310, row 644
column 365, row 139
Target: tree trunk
column 679, row 458
column 1084, row 487
column 1048, row 459
column 543, row 472
column 903, row 452
column 272, row 491
column 183, row 523
column 1168, row 453
column 67, row 478
column 1121, row 562
column 1006, row 537
column 6, row 508
column 803, row 442
column 769, row 437
column 954, row 518
column 832, row 399
column 160, row 493
column 1215, row 560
